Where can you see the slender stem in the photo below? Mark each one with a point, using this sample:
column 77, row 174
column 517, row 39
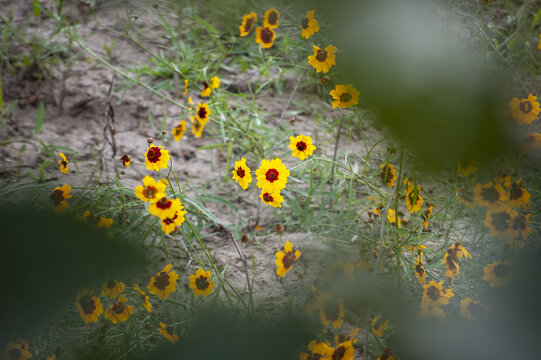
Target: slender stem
column 250, row 284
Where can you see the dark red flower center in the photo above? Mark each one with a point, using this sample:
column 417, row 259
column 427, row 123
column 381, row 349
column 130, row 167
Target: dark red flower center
column 149, row 192
column 125, row 159
column 267, row 197
column 501, row 270
column 519, row 223
column 288, row 260
column 64, row 163
column 202, row 113
column 500, row 220
column 162, row 280
column 339, row 353
column 169, row 221
column 273, row 18
column 433, row 293
column 271, row 175
column 413, row 197
column 345, row 97
column 57, row 197
column 119, row 307
column 249, row 24
column 386, row 174
column 525, row 106
column 87, row 304
column 321, row 55
column 164, row 203
column 240, row 172
column 202, row 283
column 419, row 269
column 266, row 35
column 304, row 23
column 154, row 154
column 491, row 195
column 301, row 146
column 515, row 192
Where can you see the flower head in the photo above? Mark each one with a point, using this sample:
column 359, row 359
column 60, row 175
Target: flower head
column 168, row 333
column 434, row 296
column 420, row 269
column 248, row 22
column 119, row 311
column 519, row 227
column 197, row 128
column 125, row 160
column 518, row 195
column 285, row 259
column 186, row 85
column 89, row 306
column 164, row 283
column 498, row 274
column 112, row 288
column 16, row 350
column 265, row 37
column 414, row 200
column 242, row 173
column 63, row 162
column 200, row 283
column 179, row 130
column 272, row 175
column 498, row 220
column 331, row 311
column 271, row 19
column 323, row 60
column 301, row 146
column 426, row 214
column 144, row 298
column 489, row 195
column 466, row 170
column 344, row 96
column 151, row 191
column 165, row 208
column 471, row 309
column 524, row 111
column 391, row 216
column 343, row 351
column 170, row 224
column 156, row 158
column 202, row 113
column 207, row 88
column 388, row 174
column 379, row 325
column 58, row 198
column 274, row 199
column 318, row 349
column 309, row 25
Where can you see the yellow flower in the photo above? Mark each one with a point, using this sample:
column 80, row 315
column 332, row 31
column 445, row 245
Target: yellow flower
column 343, row 351
column 16, row 350
column 63, row 162
column 331, row 311
column 156, row 158
column 420, row 269
column 489, row 195
column 518, row 195
column 274, row 199
column 119, row 312
column 450, row 259
column 285, row 259
column 301, row 146
column 112, row 288
column 379, row 325
column 248, row 22
column 197, row 128
column 271, row 19
column 524, row 111
column 125, row 160
column 179, row 130
column 434, row 296
column 168, row 333
column 391, row 216
column 170, row 224
column 498, row 274
column 466, row 171
column 344, row 96
column 207, row 89
column 186, row 85
column 144, row 297
column 498, row 220
column 426, row 214
column 414, row 199
column 151, row 191
column 165, row 208
column 58, row 198
column 265, row 37
column 388, row 174
column 272, row 175
column 387, row 354
column 320, row 350
column 352, row 336
column 200, row 283
column 242, row 173
column 89, row 306
column 518, row 226
column 471, row 309
column 323, row 60
column 164, row 283
column 309, row 25
column 98, row 221
column 202, row 113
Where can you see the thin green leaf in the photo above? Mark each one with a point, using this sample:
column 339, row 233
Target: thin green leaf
column 40, row 117
column 37, row 8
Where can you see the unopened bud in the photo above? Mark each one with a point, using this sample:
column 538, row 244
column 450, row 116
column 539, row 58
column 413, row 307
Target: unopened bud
column 279, row 228
column 292, row 120
column 150, row 140
column 324, row 80
column 245, row 238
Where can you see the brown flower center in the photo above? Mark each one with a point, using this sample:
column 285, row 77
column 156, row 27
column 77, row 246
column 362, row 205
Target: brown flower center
column 500, row 221
column 202, row 283
column 433, row 293
column 501, row 270
column 267, row 197
column 345, row 97
column 301, row 146
column 519, row 223
column 57, row 197
column 273, row 18
column 240, row 172
column 202, row 113
column 119, row 307
column 164, row 203
column 525, row 106
column 321, row 55
column 304, row 23
column 515, row 192
column 149, row 192
column 386, row 174
column 64, row 163
column 87, row 304
column 266, row 35
column 162, row 280
column 154, row 154
column 249, row 24
column 419, row 269
column 339, row 353
column 288, row 260
column 272, row 175
column 491, row 195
